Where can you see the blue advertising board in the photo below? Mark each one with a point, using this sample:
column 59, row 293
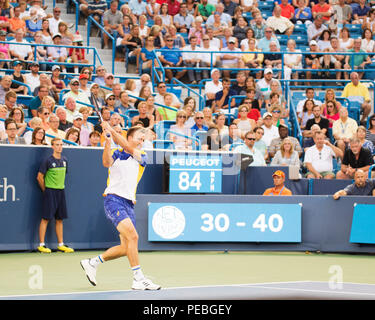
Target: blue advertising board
column 195, row 174
column 229, row 222
column 363, row 224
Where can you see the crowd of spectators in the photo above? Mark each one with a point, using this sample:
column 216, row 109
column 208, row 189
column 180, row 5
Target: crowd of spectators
column 256, row 124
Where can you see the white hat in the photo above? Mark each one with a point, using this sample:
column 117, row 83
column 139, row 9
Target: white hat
column 77, row 116
column 266, row 114
column 214, row 70
column 268, row 70
column 313, row 43
column 109, row 95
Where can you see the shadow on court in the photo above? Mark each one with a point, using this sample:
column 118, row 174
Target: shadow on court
column 300, row 290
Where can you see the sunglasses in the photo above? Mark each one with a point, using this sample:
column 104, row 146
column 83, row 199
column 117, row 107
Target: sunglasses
column 199, row 118
column 111, row 98
column 251, row 139
column 46, row 113
column 182, row 117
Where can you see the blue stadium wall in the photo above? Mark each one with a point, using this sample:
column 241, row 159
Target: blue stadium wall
column 326, row 223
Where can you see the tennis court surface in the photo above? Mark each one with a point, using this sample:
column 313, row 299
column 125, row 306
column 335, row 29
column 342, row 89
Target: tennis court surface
column 192, row 276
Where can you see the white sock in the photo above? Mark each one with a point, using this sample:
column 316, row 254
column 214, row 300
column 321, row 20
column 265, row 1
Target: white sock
column 61, row 244
column 42, row 244
column 138, row 274
column 96, row 261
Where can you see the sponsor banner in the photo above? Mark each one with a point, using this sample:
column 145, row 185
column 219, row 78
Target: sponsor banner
column 363, row 224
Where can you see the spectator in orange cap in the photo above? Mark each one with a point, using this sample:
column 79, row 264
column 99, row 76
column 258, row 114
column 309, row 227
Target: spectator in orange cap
column 279, row 188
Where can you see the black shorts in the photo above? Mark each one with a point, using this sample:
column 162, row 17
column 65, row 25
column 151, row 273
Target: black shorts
column 54, row 204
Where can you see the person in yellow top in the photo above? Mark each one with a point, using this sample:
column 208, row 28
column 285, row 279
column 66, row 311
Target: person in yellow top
column 356, row 91
column 344, row 129
column 279, row 188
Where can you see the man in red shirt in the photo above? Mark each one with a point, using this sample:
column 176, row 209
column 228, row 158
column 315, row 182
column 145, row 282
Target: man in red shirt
column 173, row 7
column 322, row 8
column 287, row 10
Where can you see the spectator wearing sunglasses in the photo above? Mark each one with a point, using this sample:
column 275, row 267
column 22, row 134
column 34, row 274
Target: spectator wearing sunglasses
column 249, row 149
column 76, row 93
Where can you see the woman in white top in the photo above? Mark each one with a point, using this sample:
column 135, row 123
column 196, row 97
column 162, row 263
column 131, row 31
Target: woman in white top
column 189, row 107
column 249, row 5
column 165, row 17
column 306, row 113
column 286, row 156
column 292, row 60
column 179, row 141
column 324, row 41
column 244, row 44
column 244, row 123
column 346, row 43
column 367, row 42
column 46, row 35
column 144, row 30
column 220, row 123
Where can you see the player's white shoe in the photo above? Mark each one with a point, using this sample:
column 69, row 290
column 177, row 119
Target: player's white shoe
column 90, row 271
column 145, row 284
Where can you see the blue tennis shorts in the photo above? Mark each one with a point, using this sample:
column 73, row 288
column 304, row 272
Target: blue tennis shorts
column 54, row 204
column 117, row 209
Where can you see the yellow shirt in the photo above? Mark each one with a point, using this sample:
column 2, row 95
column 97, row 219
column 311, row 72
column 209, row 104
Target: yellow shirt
column 358, row 93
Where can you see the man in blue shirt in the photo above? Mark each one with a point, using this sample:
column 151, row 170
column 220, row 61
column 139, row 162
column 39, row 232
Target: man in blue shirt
column 172, row 57
column 199, row 123
column 221, row 102
column 36, row 102
column 360, row 12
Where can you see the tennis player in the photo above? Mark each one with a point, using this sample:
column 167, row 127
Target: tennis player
column 126, row 167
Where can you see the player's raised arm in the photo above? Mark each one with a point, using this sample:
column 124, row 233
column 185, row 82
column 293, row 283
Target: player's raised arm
column 131, row 143
column 107, row 156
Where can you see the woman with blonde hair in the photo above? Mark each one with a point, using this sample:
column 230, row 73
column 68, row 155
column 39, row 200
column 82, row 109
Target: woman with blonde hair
column 208, row 118
column 330, row 95
column 66, row 36
column 144, row 116
column 276, row 112
column 48, row 102
column 286, row 156
column 361, row 135
column 179, row 141
column 86, row 125
column 220, row 124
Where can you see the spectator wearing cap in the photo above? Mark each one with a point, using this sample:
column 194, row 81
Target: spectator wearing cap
column 18, row 76
column 110, row 100
column 109, row 80
column 83, row 132
column 315, row 29
column 319, row 158
column 212, row 87
column 270, row 131
column 20, row 52
column 249, row 149
column 36, row 102
column 57, row 83
column 280, row 24
column 279, row 188
column 57, row 54
column 76, row 93
column 77, row 54
column 276, row 143
column 83, row 81
column 229, row 60
column 32, row 78
column 263, row 86
column 312, row 60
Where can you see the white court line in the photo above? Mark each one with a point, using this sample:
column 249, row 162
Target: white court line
column 163, row 288
column 253, row 285
column 319, row 291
